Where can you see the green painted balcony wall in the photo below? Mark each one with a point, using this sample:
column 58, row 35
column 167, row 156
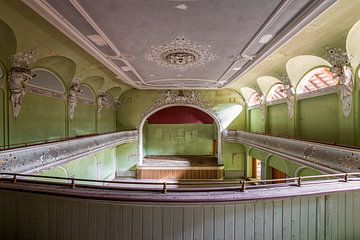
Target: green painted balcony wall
column 256, row 121
column 234, row 158
column 41, row 118
column 278, row 119
column 179, row 139
column 84, row 121
column 2, row 119
column 107, row 120
column 126, row 157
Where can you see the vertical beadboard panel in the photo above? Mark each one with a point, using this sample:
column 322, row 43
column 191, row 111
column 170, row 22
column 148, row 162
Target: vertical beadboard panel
column 320, row 217
column 75, row 220
column 286, row 220
column 356, row 215
column 330, row 217
column 278, row 219
column 137, row 223
column 109, row 222
column 304, row 217
column 198, row 228
column 268, row 220
column 118, row 222
column 178, row 223
column 349, row 227
column 229, row 222
column 127, row 222
column 100, row 221
column 167, row 223
column 31, row 222
column 21, row 222
column 84, row 220
column 67, row 219
column 209, row 222
column 240, row 221
column 157, row 223
column 147, row 231
column 188, row 223
column 295, row 218
column 259, row 220
column 92, row 221
column 249, row 221
column 52, row 216
column 42, row 219
column 2, row 214
column 312, row 218
column 219, row 219
column 10, row 215
column 341, row 216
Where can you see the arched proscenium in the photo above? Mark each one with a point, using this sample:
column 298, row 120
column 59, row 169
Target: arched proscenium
column 216, row 119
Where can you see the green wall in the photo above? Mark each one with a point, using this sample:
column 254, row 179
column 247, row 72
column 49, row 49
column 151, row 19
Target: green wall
column 256, row 121
column 126, row 158
column 2, row 120
column 107, row 121
column 84, row 120
column 41, row 118
column 234, row 158
column 319, row 118
column 179, row 139
column 278, row 119
column 101, row 166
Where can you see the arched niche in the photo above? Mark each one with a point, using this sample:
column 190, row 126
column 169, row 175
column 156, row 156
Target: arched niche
column 246, row 92
column 87, row 95
column 8, row 43
column 276, row 92
column 353, row 45
column 266, row 83
column 64, row 67
column 115, row 92
column 297, row 67
column 212, row 115
column 46, row 83
column 96, row 82
column 314, row 80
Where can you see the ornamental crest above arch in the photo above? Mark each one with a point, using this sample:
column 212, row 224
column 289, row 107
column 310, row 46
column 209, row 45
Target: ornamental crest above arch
column 180, row 97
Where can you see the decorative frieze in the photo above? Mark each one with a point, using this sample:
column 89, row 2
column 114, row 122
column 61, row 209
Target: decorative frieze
column 73, row 95
column 36, row 158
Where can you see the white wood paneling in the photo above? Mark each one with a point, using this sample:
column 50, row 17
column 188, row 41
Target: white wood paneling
column 33, row 216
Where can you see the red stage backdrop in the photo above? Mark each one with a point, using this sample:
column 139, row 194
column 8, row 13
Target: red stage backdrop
column 180, row 115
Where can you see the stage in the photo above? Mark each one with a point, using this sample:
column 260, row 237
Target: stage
column 180, row 167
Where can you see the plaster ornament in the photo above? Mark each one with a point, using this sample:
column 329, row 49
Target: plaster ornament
column 289, row 92
column 117, row 102
column 74, row 92
column 342, row 72
column 100, row 103
column 20, row 74
column 179, row 97
column 262, row 100
column 180, row 54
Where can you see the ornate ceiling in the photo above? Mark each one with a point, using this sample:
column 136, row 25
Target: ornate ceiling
column 202, row 44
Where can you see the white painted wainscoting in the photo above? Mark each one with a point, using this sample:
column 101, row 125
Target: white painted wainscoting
column 34, row 216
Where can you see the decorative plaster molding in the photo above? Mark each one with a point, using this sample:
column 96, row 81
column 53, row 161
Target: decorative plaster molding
column 289, row 92
column 324, row 157
column 180, row 54
column 342, row 72
column 19, row 74
column 36, row 158
column 169, row 97
column 101, row 99
column 73, row 95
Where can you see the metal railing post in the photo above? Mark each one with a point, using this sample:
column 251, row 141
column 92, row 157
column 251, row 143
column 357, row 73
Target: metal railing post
column 299, row 181
column 164, row 190
column 243, row 187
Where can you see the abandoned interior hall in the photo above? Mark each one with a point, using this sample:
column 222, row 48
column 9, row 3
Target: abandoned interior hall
column 179, row 119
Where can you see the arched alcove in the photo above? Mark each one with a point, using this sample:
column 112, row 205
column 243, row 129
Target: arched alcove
column 184, row 116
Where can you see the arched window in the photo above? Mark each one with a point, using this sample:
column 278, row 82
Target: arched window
column 276, row 92
column 87, row 95
column 45, row 83
column 254, row 99
column 316, row 79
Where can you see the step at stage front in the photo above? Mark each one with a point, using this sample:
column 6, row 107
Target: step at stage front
column 180, row 167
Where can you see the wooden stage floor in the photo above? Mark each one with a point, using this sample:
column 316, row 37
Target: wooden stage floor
column 180, row 161
column 180, row 167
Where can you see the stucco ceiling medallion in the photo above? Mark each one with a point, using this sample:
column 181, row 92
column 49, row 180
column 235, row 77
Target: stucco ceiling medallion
column 180, row 54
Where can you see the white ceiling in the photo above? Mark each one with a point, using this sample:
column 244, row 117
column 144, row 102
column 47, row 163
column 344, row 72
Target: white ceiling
column 236, row 33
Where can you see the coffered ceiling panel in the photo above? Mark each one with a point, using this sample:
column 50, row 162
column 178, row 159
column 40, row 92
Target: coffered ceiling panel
column 179, row 43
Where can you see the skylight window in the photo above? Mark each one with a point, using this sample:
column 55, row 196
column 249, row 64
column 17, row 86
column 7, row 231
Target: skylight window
column 317, row 79
column 276, row 92
column 254, row 99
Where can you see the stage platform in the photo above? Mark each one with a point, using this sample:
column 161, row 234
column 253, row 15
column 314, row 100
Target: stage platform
column 180, row 167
